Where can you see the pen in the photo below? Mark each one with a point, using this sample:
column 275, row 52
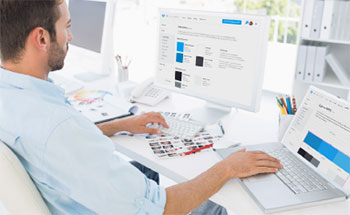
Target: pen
column 280, row 105
column 290, row 111
column 294, row 105
column 196, row 150
column 284, row 104
column 221, row 127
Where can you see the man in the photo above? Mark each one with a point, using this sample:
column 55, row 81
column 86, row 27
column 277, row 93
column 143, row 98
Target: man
column 70, row 160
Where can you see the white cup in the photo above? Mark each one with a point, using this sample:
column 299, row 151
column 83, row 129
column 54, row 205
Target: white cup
column 284, row 121
column 123, row 74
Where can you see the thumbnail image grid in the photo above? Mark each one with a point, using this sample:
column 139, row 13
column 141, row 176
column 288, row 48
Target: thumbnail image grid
column 164, row 146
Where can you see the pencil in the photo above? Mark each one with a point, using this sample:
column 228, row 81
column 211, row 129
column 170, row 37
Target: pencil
column 280, row 106
column 284, row 104
column 196, row 150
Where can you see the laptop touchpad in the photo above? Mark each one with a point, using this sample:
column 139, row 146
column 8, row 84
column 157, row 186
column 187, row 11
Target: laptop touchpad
column 270, row 191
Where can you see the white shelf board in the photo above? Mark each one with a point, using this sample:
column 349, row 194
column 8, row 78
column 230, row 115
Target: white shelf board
column 330, row 80
column 328, row 41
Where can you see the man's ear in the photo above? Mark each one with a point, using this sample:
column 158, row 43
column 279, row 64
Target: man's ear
column 40, row 38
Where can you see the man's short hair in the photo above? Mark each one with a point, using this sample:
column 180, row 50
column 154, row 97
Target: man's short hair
column 18, row 18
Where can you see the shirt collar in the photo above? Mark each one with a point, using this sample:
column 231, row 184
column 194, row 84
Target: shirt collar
column 27, row 82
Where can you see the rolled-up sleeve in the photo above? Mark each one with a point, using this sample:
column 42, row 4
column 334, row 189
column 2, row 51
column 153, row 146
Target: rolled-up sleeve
column 154, row 201
column 84, row 171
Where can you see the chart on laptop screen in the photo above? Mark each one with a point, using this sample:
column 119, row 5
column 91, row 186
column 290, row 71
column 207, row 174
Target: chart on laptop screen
column 321, row 133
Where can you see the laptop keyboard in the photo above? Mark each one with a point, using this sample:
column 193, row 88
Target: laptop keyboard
column 295, row 175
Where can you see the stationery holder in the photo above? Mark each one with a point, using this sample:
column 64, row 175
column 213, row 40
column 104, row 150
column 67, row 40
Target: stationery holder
column 284, row 121
column 123, row 74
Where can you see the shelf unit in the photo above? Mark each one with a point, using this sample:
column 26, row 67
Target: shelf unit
column 341, row 50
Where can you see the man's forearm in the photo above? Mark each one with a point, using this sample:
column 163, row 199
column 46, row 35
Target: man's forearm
column 184, row 198
column 112, row 127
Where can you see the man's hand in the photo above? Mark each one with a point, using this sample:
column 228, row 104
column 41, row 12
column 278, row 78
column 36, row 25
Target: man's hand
column 185, row 197
column 137, row 124
column 247, row 163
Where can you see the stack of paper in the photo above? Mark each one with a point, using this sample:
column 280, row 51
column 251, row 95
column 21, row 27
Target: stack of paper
column 326, row 19
column 101, row 106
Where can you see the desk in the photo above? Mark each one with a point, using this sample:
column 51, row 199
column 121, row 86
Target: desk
column 246, row 127
column 242, row 126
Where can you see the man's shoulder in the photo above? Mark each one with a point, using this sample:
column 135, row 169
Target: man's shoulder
column 30, row 115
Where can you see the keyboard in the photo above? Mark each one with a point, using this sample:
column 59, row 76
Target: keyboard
column 179, row 128
column 294, row 174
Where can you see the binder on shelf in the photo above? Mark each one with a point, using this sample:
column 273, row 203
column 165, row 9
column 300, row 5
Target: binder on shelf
column 342, row 21
column 335, row 20
column 316, row 21
column 338, row 69
column 310, row 63
column 307, row 18
column 301, row 62
column 347, row 23
column 327, row 20
column 320, row 63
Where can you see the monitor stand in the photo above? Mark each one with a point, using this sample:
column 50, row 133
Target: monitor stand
column 210, row 114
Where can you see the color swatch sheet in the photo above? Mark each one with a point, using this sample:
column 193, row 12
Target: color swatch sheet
column 99, row 105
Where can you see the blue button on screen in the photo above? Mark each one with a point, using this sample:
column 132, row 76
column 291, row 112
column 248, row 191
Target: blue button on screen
column 232, row 21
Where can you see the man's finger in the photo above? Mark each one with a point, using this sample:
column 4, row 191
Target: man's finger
column 257, row 152
column 266, row 157
column 267, row 163
column 153, row 131
column 159, row 121
column 156, row 115
column 260, row 170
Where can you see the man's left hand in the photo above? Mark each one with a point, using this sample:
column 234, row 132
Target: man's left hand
column 138, row 124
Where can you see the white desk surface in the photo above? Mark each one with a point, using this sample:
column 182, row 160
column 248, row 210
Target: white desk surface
column 245, row 127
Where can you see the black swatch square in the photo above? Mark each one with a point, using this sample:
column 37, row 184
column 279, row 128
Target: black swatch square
column 178, row 76
column 199, row 61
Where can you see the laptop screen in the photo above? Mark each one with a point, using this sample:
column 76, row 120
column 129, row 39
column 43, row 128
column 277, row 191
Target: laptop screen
column 320, row 135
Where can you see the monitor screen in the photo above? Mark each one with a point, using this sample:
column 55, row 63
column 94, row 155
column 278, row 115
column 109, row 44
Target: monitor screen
column 218, row 57
column 88, row 18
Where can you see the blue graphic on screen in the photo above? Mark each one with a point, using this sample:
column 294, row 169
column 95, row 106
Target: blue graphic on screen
column 180, row 46
column 327, row 150
column 232, row 21
column 179, row 58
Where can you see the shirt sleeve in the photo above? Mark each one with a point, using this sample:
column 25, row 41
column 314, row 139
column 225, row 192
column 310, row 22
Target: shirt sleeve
column 81, row 167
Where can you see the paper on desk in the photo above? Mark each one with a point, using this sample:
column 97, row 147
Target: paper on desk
column 99, row 105
column 165, row 146
column 176, row 115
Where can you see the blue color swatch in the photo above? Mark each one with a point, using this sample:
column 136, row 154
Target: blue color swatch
column 179, row 57
column 180, row 46
column 327, row 150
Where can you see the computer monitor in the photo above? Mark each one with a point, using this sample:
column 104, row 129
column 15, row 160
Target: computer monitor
column 218, row 57
column 92, row 29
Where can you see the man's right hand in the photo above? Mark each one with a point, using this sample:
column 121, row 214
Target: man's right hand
column 244, row 163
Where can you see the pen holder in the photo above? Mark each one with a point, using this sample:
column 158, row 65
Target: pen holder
column 283, row 123
column 123, row 74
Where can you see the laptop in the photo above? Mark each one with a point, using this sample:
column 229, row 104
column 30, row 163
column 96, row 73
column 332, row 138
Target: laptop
column 315, row 154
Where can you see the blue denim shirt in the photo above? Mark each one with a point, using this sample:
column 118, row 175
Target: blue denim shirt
column 70, row 160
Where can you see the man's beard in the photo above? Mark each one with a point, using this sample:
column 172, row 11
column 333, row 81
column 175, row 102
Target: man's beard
column 56, row 57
